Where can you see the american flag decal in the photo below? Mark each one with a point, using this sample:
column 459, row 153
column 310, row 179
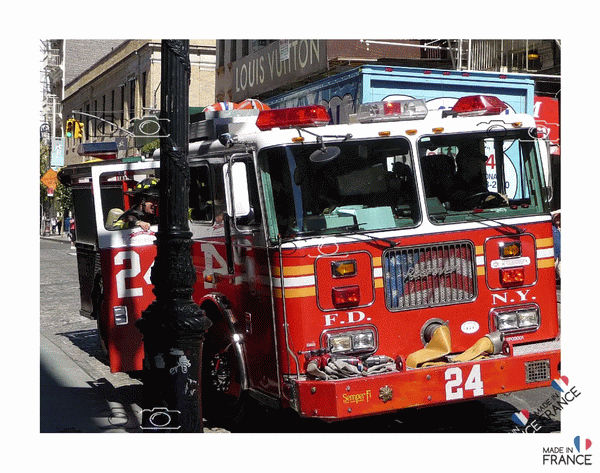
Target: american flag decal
column 429, row 275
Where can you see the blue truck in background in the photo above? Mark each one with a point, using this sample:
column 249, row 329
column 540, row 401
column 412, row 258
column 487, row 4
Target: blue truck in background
column 342, row 93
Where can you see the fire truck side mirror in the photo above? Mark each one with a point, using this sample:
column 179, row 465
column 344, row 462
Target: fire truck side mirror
column 237, row 194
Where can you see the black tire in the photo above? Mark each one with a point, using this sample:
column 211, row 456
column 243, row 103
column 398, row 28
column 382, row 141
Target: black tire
column 223, row 398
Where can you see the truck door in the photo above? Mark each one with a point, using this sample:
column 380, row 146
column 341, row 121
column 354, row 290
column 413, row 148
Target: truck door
column 251, row 272
column 127, row 255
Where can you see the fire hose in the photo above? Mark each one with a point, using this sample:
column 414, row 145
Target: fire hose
column 323, row 365
column 333, row 367
column 440, row 345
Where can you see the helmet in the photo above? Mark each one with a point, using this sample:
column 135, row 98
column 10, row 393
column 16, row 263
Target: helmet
column 147, row 187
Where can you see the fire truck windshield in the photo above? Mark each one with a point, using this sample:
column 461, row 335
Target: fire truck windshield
column 473, row 176
column 370, row 185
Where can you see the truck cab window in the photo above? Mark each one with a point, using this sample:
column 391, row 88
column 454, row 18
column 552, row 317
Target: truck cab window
column 201, row 198
column 498, row 174
column 370, row 185
column 130, row 199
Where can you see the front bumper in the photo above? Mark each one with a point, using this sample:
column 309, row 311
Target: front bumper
column 525, row 367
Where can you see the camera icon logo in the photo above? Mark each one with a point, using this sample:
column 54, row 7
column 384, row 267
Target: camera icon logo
column 160, row 418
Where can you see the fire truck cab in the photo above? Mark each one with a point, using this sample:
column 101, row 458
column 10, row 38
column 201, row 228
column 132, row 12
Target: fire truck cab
column 404, row 259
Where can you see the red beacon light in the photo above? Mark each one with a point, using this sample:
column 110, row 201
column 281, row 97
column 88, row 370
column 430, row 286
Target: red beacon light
column 311, row 115
column 477, row 105
column 413, row 109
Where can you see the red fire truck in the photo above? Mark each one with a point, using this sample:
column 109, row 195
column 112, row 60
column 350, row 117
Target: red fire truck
column 403, row 259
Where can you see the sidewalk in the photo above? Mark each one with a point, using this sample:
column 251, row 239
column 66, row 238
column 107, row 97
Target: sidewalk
column 71, row 401
column 63, row 238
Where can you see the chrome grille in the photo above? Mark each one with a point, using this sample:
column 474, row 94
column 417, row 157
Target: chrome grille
column 429, row 275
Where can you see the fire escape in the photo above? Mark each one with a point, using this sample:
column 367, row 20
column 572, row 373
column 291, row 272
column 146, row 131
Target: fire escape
column 506, row 55
column 51, row 79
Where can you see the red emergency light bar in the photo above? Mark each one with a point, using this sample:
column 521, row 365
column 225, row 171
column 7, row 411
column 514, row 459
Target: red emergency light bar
column 311, row 115
column 475, row 105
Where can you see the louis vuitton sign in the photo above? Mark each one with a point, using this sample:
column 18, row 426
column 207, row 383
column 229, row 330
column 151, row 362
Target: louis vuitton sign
column 274, row 66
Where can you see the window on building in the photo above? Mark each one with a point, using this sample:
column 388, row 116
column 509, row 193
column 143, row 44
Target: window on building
column 112, row 118
column 143, row 91
column 220, row 53
column 95, row 121
column 232, row 50
column 87, row 120
column 122, row 109
column 258, row 44
column 103, row 115
column 132, row 110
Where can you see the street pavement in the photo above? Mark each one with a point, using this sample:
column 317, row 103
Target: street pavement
column 79, row 394
column 75, row 393
column 69, row 401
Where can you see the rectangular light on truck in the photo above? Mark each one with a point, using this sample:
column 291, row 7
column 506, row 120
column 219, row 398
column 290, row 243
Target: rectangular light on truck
column 510, row 249
column 522, row 319
column 413, row 109
column 346, row 296
column 120, row 315
column 340, row 343
column 341, row 269
column 512, row 276
column 354, row 341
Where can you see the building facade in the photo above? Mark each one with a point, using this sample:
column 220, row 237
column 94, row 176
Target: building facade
column 123, row 85
column 263, row 68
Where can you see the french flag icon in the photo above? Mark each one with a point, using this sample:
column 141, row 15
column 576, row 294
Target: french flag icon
column 582, row 444
column 521, row 417
column 561, row 384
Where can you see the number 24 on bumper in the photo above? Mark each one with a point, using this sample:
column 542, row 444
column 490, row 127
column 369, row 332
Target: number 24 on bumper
column 455, row 389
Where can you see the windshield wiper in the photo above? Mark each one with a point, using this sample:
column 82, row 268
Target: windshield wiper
column 316, row 231
column 517, row 230
column 373, row 239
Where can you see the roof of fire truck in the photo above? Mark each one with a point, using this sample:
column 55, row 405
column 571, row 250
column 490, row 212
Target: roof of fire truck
column 310, row 124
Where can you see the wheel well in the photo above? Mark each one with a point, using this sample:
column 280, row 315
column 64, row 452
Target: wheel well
column 218, row 309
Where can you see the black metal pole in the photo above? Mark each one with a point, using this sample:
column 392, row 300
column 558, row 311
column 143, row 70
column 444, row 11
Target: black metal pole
column 173, row 326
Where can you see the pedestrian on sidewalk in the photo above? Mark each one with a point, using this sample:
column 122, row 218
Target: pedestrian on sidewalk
column 72, row 235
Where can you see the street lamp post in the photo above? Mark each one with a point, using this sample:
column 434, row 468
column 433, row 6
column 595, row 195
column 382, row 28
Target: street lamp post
column 173, row 326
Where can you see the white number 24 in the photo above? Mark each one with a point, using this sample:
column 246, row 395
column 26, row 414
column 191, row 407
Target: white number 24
column 454, row 382
column 123, row 289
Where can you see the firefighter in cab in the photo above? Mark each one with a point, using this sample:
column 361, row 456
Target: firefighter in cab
column 144, row 211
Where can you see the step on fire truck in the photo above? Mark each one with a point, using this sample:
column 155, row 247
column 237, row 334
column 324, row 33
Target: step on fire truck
column 403, row 259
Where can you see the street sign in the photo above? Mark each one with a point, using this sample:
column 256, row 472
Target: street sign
column 49, row 179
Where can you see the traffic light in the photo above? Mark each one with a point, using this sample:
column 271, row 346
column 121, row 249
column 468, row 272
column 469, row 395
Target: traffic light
column 70, row 127
column 78, row 129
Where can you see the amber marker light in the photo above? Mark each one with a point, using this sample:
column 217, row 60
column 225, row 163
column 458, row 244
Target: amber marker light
column 342, row 269
column 510, row 250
